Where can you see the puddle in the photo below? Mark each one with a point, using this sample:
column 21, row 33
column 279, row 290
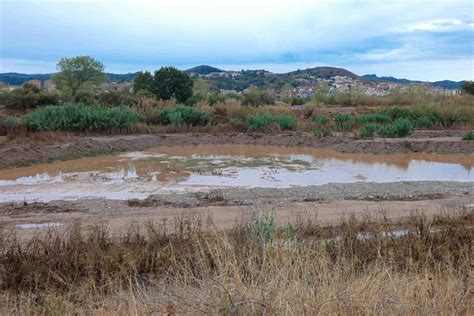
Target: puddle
column 399, row 233
column 42, row 225
column 171, row 169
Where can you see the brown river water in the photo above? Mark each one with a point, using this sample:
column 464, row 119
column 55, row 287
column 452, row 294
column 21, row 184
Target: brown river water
column 172, row 169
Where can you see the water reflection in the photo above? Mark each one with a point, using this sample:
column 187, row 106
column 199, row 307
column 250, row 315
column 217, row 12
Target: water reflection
column 138, row 174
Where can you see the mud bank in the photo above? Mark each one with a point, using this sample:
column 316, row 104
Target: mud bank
column 25, row 153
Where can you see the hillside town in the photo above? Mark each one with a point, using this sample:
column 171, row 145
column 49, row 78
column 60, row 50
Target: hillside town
column 304, row 88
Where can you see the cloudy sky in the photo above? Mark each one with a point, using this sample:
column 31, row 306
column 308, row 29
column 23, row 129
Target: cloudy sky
column 415, row 39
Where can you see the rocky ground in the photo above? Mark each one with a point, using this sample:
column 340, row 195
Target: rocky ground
column 326, row 204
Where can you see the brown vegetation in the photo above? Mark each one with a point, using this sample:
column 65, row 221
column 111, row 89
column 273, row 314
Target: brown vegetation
column 357, row 267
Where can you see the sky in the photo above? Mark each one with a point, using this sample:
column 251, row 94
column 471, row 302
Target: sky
column 416, row 39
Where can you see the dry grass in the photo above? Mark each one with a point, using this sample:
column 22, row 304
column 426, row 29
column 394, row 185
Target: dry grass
column 200, row 270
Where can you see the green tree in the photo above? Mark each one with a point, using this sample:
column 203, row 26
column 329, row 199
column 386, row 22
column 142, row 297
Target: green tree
column 468, row 87
column 143, row 81
column 170, row 83
column 77, row 71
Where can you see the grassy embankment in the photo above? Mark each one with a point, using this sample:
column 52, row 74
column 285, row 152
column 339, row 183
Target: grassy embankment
column 357, row 267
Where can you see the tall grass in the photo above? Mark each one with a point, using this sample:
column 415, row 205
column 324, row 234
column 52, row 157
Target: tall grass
column 401, row 127
column 78, row 117
column 356, row 267
column 182, row 115
column 260, row 122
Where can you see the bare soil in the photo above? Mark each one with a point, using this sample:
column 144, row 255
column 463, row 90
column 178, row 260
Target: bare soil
column 116, row 215
column 29, row 152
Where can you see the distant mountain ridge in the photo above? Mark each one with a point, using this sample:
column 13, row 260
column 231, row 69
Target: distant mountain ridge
column 14, row 78
column 446, row 84
column 240, row 80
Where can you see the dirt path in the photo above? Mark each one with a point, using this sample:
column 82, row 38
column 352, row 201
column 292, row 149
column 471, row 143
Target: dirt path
column 26, row 153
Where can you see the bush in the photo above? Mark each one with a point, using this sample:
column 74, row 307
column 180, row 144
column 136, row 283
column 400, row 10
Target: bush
column 234, row 122
column 260, row 122
column 368, row 130
column 397, row 112
column 423, row 122
column 286, row 122
column 115, row 98
column 74, row 117
column 11, row 122
column 321, row 132
column 262, row 228
column 343, row 122
column 182, row 114
column 399, row 128
column 256, row 98
column 469, row 135
column 85, row 97
column 322, row 120
column 372, row 118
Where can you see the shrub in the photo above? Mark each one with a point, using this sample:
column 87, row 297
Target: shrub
column 115, row 98
column 182, row 114
column 234, row 122
column 74, row 117
column 423, row 122
column 286, row 122
column 321, row 132
column 85, row 97
column 397, row 112
column 368, row 130
column 176, row 118
column 372, row 118
column 469, row 135
column 48, row 98
column 260, row 122
column 21, row 98
column 256, row 98
column 343, row 122
column 322, row 120
column 262, row 228
column 399, row 128
column 11, row 122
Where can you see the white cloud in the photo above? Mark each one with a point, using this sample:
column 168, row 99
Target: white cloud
column 437, row 25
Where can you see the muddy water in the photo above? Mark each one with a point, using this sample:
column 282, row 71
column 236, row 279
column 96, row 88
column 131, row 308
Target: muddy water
column 138, row 174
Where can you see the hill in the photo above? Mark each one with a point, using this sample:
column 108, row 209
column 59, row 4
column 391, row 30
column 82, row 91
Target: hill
column 16, row 79
column 445, row 84
column 203, row 70
column 241, row 80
